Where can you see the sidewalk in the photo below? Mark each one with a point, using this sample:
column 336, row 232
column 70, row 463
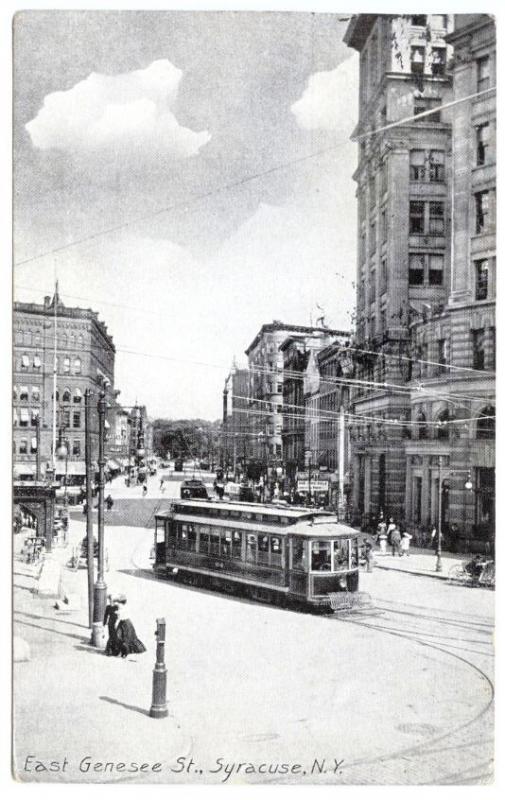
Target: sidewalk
column 419, row 562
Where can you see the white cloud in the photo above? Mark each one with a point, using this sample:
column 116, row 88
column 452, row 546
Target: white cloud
column 129, row 114
column 329, row 101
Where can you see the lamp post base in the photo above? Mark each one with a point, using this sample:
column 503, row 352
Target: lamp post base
column 98, row 635
column 438, row 566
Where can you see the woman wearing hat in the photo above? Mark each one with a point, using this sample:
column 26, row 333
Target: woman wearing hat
column 126, row 638
column 110, row 619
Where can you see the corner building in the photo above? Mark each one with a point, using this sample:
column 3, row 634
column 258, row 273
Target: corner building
column 453, row 441
column 404, row 218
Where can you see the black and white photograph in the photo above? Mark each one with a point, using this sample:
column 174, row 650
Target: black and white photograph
column 253, row 397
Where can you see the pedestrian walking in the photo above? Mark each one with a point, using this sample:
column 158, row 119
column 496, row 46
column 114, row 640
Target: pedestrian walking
column 127, row 640
column 390, row 528
column 405, row 543
column 162, row 484
column 109, row 502
column 368, row 549
column 395, row 538
column 144, row 490
column 110, row 620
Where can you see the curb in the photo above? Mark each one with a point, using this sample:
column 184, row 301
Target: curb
column 439, row 576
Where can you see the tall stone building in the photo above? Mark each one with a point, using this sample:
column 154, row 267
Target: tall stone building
column 85, row 359
column 404, row 257
column 238, row 426
column 451, row 458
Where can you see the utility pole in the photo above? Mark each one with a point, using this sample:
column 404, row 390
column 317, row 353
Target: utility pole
column 37, row 445
column 438, row 566
column 100, row 593
column 89, row 503
column 341, row 464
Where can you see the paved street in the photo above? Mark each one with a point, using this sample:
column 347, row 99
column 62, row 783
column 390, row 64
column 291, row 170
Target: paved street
column 402, row 697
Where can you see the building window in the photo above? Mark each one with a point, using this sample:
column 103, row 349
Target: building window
column 422, row 104
column 66, row 396
column 23, row 446
column 422, row 427
column 438, row 62
column 435, row 270
column 19, row 337
column 66, row 364
column 417, row 60
column 426, row 269
column 34, row 414
column 36, row 362
column 77, row 396
column 417, row 165
column 76, row 447
column 442, row 353
column 478, row 352
column 77, row 419
column 23, row 393
column 384, row 272
column 373, row 238
column 481, row 212
column 486, row 423
column 436, row 218
column 24, row 418
column 65, row 418
column 483, row 74
column 419, row 20
column 35, row 394
column 384, row 224
column 443, row 425
column 416, row 269
column 481, row 279
column 437, row 166
column 416, row 216
column 25, row 361
column 482, row 134
column 14, row 418
column 36, row 340
column 77, row 366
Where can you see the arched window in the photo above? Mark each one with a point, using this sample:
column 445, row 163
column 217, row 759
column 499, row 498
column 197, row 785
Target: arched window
column 486, row 423
column 25, row 361
column 77, row 366
column 443, row 425
column 77, row 396
column 23, row 446
column 23, row 393
column 14, row 392
column 36, row 340
column 80, row 341
column 66, row 364
column 422, row 426
column 67, row 396
column 28, row 337
column 19, row 337
column 35, row 394
column 57, row 395
column 33, row 417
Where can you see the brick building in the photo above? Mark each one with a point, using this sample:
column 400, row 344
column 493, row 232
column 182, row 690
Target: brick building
column 85, row 356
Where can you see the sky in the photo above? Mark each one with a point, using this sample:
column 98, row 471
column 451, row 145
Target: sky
column 188, row 175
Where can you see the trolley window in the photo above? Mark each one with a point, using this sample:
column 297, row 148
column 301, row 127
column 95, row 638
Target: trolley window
column 236, row 545
column 204, row 539
column 320, row 556
column 298, row 555
column 214, row 542
column 251, row 547
column 226, row 540
column 276, row 551
column 354, row 547
column 263, row 548
column 340, row 555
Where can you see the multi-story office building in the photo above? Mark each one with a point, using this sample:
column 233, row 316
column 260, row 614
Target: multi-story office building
column 404, row 215
column 300, row 362
column 238, row 427
column 85, row 355
column 453, row 441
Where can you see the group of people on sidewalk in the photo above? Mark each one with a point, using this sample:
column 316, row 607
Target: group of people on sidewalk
column 396, row 536
column 123, row 638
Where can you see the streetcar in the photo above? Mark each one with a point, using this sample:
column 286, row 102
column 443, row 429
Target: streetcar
column 272, row 553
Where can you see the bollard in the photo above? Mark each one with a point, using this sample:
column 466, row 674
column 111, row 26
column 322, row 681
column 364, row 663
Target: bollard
column 159, row 707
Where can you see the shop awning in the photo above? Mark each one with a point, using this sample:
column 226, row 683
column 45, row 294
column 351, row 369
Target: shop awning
column 71, row 468
column 113, row 464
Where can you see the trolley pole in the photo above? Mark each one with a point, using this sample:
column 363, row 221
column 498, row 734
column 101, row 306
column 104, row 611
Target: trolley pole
column 89, row 503
column 100, row 592
column 159, row 707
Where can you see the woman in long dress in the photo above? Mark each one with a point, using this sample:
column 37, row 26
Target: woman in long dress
column 127, row 640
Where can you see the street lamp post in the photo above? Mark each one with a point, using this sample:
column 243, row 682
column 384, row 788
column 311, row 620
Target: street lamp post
column 37, row 445
column 100, row 592
column 468, row 487
column 89, row 504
